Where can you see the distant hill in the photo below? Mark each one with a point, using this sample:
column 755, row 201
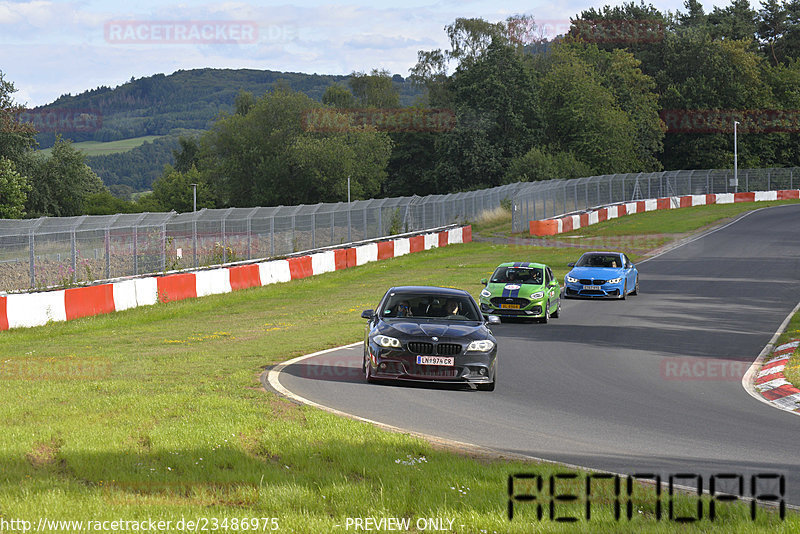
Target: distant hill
column 186, row 99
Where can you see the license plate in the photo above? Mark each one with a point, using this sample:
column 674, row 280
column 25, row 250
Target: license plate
column 436, row 360
column 592, row 288
column 509, row 306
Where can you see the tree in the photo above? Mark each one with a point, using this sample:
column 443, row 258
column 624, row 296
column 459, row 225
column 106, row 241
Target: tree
column 772, row 19
column 186, row 156
column 374, row 90
column 61, row 183
column 16, row 137
column 270, row 156
column 173, row 191
column 583, row 117
column 338, row 97
column 14, row 190
column 540, row 164
column 737, row 21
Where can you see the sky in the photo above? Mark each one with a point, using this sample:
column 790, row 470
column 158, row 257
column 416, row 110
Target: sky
column 51, row 48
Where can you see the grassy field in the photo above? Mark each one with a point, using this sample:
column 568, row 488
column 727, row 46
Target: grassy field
column 97, row 148
column 158, row 413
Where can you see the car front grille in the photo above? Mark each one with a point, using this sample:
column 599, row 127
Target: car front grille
column 587, row 282
column 448, row 349
column 419, row 347
column 498, row 301
column 438, row 371
column 442, row 349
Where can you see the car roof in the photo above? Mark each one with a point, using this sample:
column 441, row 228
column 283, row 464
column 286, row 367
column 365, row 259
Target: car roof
column 522, row 264
column 602, row 252
column 433, row 290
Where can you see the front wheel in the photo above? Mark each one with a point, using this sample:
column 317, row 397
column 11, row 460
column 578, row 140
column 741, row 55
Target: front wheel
column 557, row 313
column 636, row 288
column 624, row 292
column 546, row 317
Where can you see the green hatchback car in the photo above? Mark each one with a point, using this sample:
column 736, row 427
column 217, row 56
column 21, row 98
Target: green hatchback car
column 523, row 290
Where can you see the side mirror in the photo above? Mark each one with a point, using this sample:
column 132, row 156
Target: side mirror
column 493, row 319
column 630, row 265
column 367, row 314
column 484, row 281
column 571, row 264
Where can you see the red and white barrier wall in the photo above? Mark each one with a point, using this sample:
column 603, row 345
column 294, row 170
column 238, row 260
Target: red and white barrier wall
column 36, row 309
column 568, row 223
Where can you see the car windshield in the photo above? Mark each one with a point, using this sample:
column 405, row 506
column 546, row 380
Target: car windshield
column 599, row 260
column 448, row 307
column 519, row 275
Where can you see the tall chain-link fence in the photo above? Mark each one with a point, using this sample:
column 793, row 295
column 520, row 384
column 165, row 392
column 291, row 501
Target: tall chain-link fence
column 540, row 200
column 61, row 251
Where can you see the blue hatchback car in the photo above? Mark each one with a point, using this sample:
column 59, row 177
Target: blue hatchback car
column 602, row 274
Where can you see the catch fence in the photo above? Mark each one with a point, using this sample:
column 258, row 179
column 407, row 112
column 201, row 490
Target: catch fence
column 63, row 251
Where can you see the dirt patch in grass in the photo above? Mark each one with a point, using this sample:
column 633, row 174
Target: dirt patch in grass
column 44, row 453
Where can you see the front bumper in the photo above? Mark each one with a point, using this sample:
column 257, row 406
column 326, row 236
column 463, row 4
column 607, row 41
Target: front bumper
column 534, row 309
column 605, row 291
column 400, row 364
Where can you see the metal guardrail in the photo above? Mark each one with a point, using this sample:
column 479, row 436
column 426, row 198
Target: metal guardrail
column 61, row 251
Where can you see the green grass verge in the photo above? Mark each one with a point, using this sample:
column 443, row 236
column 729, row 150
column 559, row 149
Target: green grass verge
column 672, row 222
column 176, row 424
column 99, row 148
column 792, row 332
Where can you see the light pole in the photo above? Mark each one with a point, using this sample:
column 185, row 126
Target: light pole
column 349, row 239
column 735, row 156
column 194, row 197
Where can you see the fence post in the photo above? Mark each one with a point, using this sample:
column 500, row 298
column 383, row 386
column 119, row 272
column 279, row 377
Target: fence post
column 294, row 224
column 272, row 236
column 32, row 248
column 365, row 223
column 314, row 230
column 164, row 247
column 333, row 228
column 224, row 242
column 194, row 240
column 135, row 250
column 249, row 237
column 74, row 253
column 380, row 223
column 769, row 182
column 108, row 252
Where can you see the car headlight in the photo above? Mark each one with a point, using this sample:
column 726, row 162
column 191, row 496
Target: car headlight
column 485, row 293
column 615, row 281
column 386, row 341
column 481, row 345
column 572, row 280
column 537, row 295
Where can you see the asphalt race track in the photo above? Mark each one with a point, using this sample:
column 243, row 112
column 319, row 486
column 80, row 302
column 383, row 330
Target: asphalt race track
column 650, row 384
